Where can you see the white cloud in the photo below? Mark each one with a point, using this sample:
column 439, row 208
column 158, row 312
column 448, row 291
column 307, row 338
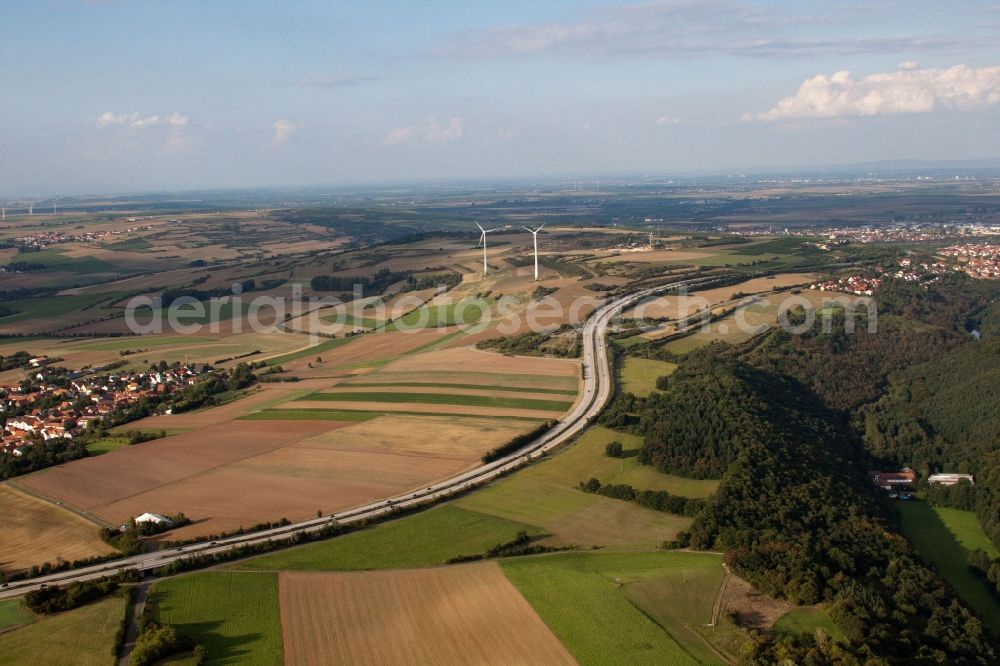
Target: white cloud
column 336, row 81
column 430, row 131
column 399, row 135
column 907, row 90
column 668, row 120
column 455, row 129
column 136, row 121
column 283, row 129
column 696, row 28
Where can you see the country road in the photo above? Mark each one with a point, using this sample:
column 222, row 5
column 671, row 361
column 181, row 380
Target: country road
column 598, row 386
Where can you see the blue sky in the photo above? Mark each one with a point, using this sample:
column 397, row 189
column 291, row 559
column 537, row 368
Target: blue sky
column 122, row 95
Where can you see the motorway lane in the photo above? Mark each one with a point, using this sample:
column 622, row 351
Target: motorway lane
column 597, row 389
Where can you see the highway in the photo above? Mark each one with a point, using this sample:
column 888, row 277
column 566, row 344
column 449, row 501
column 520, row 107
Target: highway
column 598, row 386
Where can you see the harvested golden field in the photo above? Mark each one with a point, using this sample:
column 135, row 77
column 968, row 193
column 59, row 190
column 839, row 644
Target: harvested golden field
column 270, row 469
column 501, row 392
column 365, row 349
column 468, row 614
column 256, row 399
column 91, row 484
column 674, row 307
column 462, row 377
column 470, row 359
column 35, row 531
column 420, row 408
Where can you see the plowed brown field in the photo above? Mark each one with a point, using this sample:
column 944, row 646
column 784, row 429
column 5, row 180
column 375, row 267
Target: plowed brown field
column 468, row 614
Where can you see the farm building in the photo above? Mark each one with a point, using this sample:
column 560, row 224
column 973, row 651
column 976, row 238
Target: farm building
column 154, row 518
column 948, row 479
column 889, row 480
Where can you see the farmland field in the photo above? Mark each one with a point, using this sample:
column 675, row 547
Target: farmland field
column 754, row 317
column 586, row 459
column 639, row 375
column 36, row 532
column 807, row 620
column 234, row 615
column 576, row 592
column 438, row 382
column 450, row 398
column 430, row 537
column 440, row 385
column 573, row 517
column 680, row 306
column 295, row 467
column 83, row 636
column 450, row 615
column 936, row 542
column 13, row 613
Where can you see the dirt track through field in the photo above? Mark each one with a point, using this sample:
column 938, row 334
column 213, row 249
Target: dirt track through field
column 468, row 614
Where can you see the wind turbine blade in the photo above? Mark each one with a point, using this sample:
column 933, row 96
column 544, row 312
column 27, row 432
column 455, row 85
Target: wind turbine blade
column 528, row 230
column 541, row 227
column 480, row 226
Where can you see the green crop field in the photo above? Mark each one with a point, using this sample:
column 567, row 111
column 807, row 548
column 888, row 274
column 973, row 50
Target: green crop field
column 201, row 312
column 427, row 538
column 638, row 375
column 83, row 637
column 54, row 306
column 55, row 260
column 577, row 593
column 129, row 245
column 106, row 445
column 586, row 459
column 484, row 387
column 678, row 598
column 326, row 345
column 13, row 612
column 936, row 543
column 443, row 399
column 235, row 615
column 120, row 344
column 573, row 517
column 790, row 245
column 308, row 415
column 465, row 312
column 806, row 620
column 119, row 439
column 345, row 319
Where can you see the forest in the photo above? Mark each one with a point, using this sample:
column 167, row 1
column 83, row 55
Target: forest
column 797, row 517
column 791, row 423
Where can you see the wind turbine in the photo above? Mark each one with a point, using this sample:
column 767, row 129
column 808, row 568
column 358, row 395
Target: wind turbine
column 534, row 235
column 482, row 239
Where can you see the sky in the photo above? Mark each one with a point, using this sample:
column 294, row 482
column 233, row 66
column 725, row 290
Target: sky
column 151, row 95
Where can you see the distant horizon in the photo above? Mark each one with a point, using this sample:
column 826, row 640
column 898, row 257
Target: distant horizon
column 896, row 168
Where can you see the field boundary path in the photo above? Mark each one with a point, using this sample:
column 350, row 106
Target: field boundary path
column 598, row 386
column 132, row 630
